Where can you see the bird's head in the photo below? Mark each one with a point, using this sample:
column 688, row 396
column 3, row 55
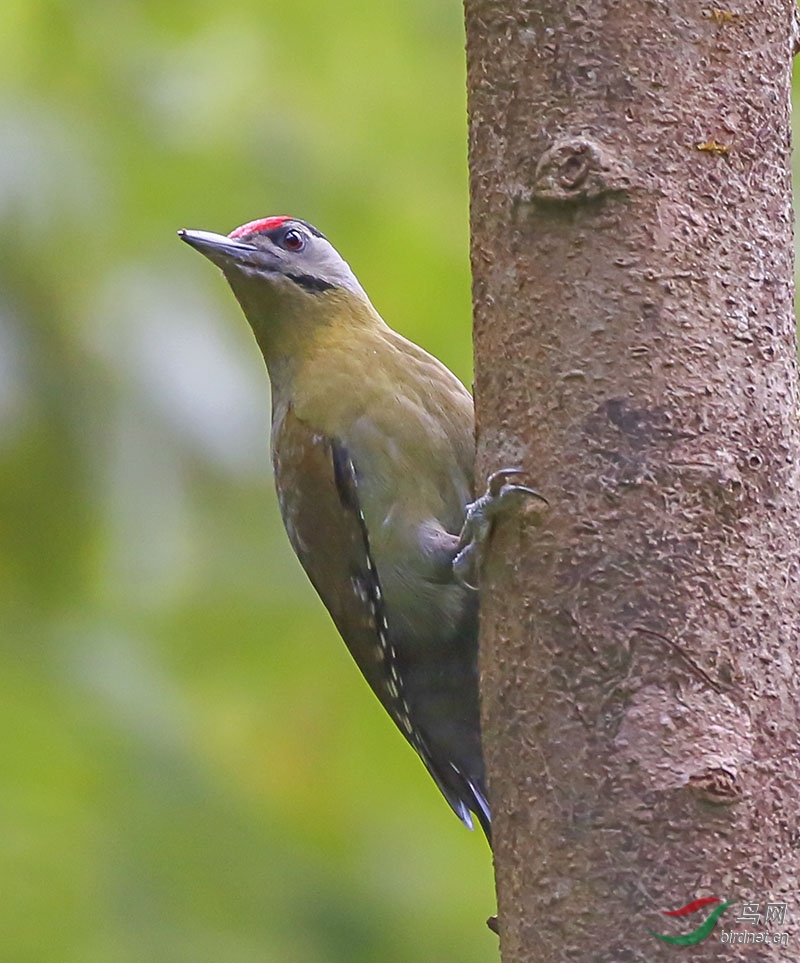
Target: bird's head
column 288, row 278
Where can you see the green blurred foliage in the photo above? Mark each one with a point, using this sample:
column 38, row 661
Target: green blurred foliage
column 193, row 770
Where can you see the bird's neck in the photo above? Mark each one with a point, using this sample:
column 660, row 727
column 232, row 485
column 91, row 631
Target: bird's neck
column 291, row 332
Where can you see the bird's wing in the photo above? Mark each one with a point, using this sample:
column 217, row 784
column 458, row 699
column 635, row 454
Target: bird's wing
column 318, row 494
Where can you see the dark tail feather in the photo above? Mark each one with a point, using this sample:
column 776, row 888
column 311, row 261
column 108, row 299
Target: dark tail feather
column 467, row 797
column 481, row 809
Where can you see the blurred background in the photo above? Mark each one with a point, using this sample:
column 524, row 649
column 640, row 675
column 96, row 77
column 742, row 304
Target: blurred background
column 192, row 769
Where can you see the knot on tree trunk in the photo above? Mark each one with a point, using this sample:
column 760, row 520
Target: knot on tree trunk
column 577, row 168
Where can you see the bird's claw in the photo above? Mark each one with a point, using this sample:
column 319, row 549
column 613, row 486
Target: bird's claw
column 499, row 499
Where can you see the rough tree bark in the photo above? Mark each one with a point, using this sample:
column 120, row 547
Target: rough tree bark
column 635, row 351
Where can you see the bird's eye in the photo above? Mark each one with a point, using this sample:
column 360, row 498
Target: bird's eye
column 293, row 240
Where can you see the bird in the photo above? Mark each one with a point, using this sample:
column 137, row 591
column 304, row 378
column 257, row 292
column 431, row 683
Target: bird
column 373, row 448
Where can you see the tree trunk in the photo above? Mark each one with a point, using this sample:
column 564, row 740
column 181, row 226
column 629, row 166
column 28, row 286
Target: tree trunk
column 636, row 353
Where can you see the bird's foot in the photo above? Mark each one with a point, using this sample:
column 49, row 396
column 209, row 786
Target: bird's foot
column 500, row 498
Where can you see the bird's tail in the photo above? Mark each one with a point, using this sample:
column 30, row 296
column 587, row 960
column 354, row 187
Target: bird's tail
column 466, row 796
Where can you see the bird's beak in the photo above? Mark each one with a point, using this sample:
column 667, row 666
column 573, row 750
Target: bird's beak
column 218, row 248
